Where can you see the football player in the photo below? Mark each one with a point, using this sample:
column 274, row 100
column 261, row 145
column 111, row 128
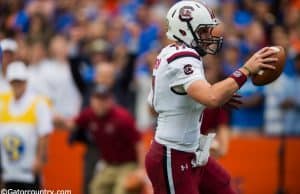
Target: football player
column 179, row 155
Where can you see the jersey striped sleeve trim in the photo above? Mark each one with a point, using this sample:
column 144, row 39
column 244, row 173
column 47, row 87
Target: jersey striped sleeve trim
column 182, row 54
column 178, row 93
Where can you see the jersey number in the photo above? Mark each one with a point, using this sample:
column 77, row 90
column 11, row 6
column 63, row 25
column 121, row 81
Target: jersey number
column 14, row 147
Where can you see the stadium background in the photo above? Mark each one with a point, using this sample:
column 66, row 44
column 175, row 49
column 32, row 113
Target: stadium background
column 128, row 34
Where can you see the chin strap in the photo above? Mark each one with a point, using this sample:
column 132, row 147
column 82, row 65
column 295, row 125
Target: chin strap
column 193, row 44
column 200, row 51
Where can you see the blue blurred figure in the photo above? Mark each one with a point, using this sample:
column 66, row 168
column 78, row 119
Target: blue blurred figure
column 291, row 105
column 248, row 119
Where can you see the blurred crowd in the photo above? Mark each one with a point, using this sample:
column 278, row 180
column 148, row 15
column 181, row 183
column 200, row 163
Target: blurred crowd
column 71, row 46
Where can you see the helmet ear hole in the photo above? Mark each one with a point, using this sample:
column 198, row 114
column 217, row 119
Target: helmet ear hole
column 194, row 44
column 182, row 32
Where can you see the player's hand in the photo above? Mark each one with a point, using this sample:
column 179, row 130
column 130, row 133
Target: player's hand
column 260, row 60
column 233, row 103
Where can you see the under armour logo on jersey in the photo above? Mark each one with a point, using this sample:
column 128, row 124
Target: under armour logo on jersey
column 188, row 69
column 184, row 167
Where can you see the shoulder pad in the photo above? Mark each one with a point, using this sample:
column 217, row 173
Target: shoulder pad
column 179, row 51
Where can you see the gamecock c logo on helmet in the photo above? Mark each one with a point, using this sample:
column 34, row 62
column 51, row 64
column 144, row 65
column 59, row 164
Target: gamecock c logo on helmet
column 185, row 13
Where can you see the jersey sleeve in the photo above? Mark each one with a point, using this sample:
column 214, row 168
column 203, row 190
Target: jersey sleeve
column 185, row 71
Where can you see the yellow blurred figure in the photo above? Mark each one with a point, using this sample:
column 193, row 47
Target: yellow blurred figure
column 25, row 123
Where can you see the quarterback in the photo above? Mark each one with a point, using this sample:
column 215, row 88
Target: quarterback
column 178, row 161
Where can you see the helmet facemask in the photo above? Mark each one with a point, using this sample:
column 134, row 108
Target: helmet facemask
column 204, row 41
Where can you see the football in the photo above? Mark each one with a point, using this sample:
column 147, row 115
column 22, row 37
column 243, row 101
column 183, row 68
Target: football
column 266, row 76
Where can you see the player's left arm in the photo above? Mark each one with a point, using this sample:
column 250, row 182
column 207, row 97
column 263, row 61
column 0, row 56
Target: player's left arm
column 140, row 152
column 220, row 144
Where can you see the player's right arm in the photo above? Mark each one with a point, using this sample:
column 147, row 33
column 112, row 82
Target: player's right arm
column 219, row 93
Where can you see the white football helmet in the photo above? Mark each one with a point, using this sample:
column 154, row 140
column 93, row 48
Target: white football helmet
column 191, row 22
